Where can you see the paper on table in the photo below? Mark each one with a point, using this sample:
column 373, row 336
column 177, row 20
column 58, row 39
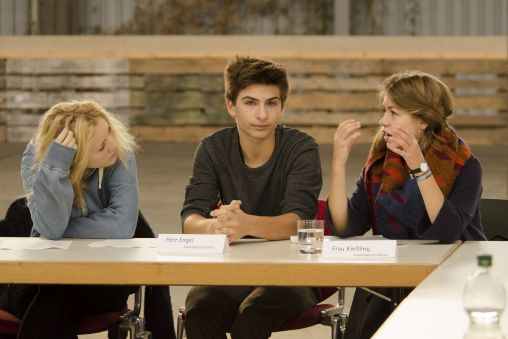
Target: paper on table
column 33, row 244
column 126, row 243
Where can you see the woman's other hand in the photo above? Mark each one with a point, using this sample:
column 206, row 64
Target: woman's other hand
column 345, row 136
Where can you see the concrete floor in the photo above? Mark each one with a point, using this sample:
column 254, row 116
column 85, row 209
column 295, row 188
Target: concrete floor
column 163, row 171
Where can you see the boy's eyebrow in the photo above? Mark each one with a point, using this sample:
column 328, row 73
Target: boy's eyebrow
column 251, row 98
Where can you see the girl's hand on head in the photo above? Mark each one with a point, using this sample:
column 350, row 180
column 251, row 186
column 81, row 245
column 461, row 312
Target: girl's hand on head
column 66, row 138
column 345, row 136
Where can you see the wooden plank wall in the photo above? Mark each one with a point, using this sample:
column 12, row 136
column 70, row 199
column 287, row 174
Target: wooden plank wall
column 170, row 89
column 2, row 100
column 182, row 97
column 34, row 85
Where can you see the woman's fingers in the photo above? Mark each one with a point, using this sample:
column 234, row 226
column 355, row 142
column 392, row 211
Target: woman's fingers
column 69, row 140
column 66, row 138
column 348, row 125
column 403, row 137
column 345, row 136
column 61, row 137
column 352, row 138
column 346, row 129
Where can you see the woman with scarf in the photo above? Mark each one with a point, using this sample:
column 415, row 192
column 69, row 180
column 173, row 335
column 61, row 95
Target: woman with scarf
column 420, row 180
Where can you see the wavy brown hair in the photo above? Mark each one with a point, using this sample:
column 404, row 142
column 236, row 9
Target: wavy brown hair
column 244, row 71
column 79, row 116
column 424, row 96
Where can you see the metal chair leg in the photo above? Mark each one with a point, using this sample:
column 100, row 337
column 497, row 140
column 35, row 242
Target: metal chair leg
column 135, row 326
column 179, row 323
column 127, row 325
column 341, row 294
column 132, row 323
column 338, row 323
column 335, row 326
column 141, row 332
column 343, row 323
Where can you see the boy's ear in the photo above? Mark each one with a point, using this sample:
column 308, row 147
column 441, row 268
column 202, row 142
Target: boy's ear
column 231, row 108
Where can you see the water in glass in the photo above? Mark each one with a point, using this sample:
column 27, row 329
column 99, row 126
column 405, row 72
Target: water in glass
column 310, row 240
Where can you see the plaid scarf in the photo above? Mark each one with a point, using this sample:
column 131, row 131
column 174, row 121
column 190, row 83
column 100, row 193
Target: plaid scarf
column 395, row 202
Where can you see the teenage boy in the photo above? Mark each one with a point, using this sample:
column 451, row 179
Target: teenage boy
column 266, row 177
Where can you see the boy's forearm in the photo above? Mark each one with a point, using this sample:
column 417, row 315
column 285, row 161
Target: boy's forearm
column 197, row 224
column 274, row 228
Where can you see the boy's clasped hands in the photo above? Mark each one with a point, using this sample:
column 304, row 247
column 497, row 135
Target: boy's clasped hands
column 231, row 221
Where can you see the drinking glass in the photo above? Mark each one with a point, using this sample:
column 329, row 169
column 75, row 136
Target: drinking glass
column 310, row 236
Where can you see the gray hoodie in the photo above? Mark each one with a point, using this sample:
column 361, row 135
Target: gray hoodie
column 110, row 212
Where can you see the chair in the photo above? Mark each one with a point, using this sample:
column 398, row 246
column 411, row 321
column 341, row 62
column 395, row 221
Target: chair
column 127, row 320
column 494, row 214
column 18, row 223
column 321, row 313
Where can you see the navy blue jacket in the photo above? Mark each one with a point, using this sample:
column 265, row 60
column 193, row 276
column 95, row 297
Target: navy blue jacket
column 459, row 218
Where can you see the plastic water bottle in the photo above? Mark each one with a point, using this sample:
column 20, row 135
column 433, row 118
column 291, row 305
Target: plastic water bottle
column 484, row 302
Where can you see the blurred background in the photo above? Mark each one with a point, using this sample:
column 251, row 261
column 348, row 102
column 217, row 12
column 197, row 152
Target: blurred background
column 159, row 63
column 261, row 17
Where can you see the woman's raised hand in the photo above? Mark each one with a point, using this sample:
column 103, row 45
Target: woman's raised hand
column 345, row 136
column 66, row 138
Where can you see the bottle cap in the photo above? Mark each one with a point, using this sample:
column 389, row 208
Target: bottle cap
column 484, row 260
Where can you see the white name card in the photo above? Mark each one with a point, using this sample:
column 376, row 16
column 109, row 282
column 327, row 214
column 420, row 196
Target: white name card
column 191, row 243
column 358, row 249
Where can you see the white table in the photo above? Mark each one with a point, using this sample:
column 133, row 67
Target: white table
column 269, row 263
column 434, row 309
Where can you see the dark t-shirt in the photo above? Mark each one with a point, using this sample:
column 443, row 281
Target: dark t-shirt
column 290, row 181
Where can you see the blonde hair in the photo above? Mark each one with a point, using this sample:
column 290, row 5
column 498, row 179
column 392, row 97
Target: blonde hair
column 80, row 116
column 424, row 96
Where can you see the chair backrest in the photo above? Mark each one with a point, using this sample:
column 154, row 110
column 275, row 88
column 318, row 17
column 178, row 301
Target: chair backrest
column 494, row 213
column 17, row 221
column 321, row 215
column 143, row 229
